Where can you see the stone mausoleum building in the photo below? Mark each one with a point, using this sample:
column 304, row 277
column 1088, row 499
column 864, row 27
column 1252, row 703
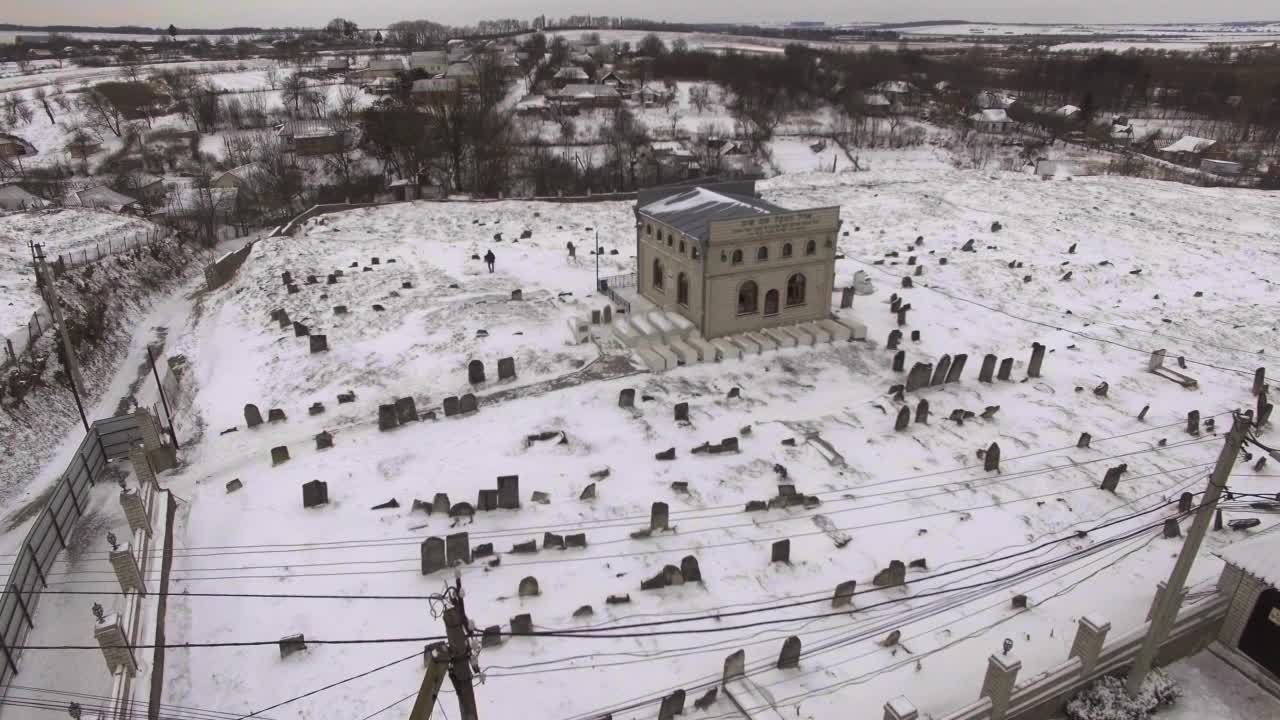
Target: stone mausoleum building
column 730, row 262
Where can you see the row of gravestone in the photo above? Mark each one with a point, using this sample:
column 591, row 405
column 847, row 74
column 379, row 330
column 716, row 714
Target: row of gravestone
column 440, row 503
column 402, row 412
column 786, row 497
column 253, row 416
column 688, row 572
column 438, row 554
column 280, row 453
column 949, row 370
column 659, row 521
column 318, row 343
column 506, row 370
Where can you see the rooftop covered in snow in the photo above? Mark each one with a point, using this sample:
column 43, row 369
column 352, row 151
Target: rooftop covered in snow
column 1258, row 556
column 692, row 211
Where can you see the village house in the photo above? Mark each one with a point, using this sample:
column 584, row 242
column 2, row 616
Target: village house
column 378, row 69
column 12, row 146
column 203, row 212
column 431, row 62
column 100, row 196
column 236, row 177
column 570, row 76
column 991, row 121
column 586, row 96
column 14, row 197
column 730, row 262
column 314, row 137
column 464, row 73
column 1187, row 150
column 429, row 89
column 669, row 161
column 337, row 65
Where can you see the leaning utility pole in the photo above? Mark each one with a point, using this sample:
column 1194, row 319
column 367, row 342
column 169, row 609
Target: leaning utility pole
column 1166, row 610
column 455, row 658
column 50, row 293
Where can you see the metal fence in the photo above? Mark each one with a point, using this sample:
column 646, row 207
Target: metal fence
column 107, row 440
column 19, row 342
column 608, row 286
column 111, row 246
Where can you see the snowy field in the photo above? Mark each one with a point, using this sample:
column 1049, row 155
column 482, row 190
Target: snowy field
column 917, row 494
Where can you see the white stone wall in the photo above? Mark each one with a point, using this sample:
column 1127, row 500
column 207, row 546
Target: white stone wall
column 1243, row 589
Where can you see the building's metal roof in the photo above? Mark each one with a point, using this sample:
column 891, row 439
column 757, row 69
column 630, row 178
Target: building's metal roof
column 1259, row 556
column 692, row 211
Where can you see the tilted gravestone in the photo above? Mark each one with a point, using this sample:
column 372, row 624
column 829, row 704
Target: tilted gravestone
column 940, row 372
column 988, row 368
column 904, row 419
column 433, row 555
column 300, row 330
column 509, row 492
column 957, row 367
column 689, row 568
column 406, row 410
column 991, row 460
column 588, row 492
column 252, row 417
column 682, row 412
column 458, row 548
column 506, row 368
column 919, row 376
column 279, row 455
column 1037, row 359
column 844, row 594
column 522, row 624
column 451, row 406
column 324, row 440
column 1083, row 442
column 1006, row 369
column 276, row 415
column 468, row 404
column 626, row 398
column 895, row 337
column 387, row 418
column 922, row 412
column 781, row 551
column 475, row 372
column 790, row 655
column 315, row 493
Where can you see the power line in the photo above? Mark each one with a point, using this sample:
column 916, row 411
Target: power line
column 348, row 679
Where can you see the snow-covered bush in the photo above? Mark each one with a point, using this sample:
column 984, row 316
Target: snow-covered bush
column 1106, row 699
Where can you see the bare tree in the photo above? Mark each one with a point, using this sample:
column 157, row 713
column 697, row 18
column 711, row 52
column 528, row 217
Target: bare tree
column 272, row 76
column 700, row 97
column 292, row 91
column 42, row 97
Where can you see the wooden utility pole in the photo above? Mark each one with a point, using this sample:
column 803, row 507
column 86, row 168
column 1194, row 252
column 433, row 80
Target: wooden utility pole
column 1166, row 611
column 455, row 658
column 50, row 292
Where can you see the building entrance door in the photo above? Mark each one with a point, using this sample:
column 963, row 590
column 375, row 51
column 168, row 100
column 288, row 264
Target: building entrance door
column 1261, row 638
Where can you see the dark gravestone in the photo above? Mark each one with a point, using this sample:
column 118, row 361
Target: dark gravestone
column 895, row 574
column 844, row 594
column 988, row 368
column 300, row 330
column 895, row 337
column 846, row 298
column 387, row 419
column 451, row 406
column 529, row 587
column 522, row 624
column 904, row 418
column 1193, row 422
column 319, row 343
column 324, row 440
column 906, row 281
column 576, row 540
column 317, row 408
column 468, row 404
column 283, row 319
column 315, row 493
column 899, row 360
column 627, row 398
column 915, row 336
column 487, row 499
column 1171, row 529
column 922, row 412
column 940, row 372
column 525, row 548
column 991, row 460
column 491, row 637
column 1037, row 359
column 293, row 289
column 276, row 415
column 331, row 279
column 462, row 509
column 707, row 700
column 506, row 368
column 509, row 492
column 790, row 655
column 606, row 317
column 234, row 485
column 388, row 505
column 286, row 277
column 440, row 504
column 406, row 410
column 668, row 454
column 919, row 376
column 458, row 548
column 729, row 444
column 482, row 550
column 588, row 492
column 344, row 398
column 433, row 555
column 595, row 317
column 1111, row 480
column 1006, row 369
column 1185, row 501
column 781, row 552
column 475, row 372
column 517, row 295
column 689, row 568
column 902, row 317
column 658, row 516
column 279, row 455
column 1083, row 442
column 252, row 416
column 291, row 644
column 957, row 367
column 682, row 412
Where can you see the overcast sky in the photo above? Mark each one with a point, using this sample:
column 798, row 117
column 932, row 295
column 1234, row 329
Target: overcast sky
column 376, row 13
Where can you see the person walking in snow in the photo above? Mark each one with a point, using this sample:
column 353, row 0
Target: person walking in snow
column 490, row 259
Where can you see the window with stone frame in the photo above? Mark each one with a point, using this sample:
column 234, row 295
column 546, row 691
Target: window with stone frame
column 682, row 289
column 762, row 253
column 796, row 290
column 748, row 298
column 786, row 250
column 737, row 257
column 657, row 274
column 811, row 248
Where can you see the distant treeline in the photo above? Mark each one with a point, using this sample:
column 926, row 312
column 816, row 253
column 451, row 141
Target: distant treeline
column 138, row 29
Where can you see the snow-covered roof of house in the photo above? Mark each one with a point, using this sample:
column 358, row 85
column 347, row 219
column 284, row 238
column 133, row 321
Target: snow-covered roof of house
column 311, row 128
column 571, row 73
column 396, row 64
column 13, row 196
column 445, row 84
column 988, row 99
column 1066, row 111
column 670, row 147
column 9, row 139
column 423, row 58
column 893, row 86
column 532, row 101
column 460, row 69
column 1190, row 144
column 692, row 211
column 99, row 196
column 1259, row 556
column 187, row 202
column 586, row 91
column 990, row 116
column 241, row 173
column 875, row 100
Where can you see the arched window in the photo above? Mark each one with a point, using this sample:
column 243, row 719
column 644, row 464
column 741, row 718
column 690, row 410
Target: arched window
column 694, row 250
column 786, row 250
column 648, row 229
column 811, row 248
column 795, row 290
column 657, row 273
column 737, row 257
column 748, row 298
column 681, row 247
column 771, row 303
column 682, row 289
column 762, row 254
column 670, row 239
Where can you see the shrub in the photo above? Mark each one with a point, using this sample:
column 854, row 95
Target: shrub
column 1106, row 699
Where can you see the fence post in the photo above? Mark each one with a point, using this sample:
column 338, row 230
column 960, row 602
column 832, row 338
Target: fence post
column 71, row 488
column 997, row 686
column 56, row 527
column 26, row 613
column 1091, row 635
column 87, row 470
column 35, row 563
column 8, row 656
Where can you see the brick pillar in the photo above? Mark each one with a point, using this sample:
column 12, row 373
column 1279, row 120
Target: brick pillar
column 900, row 708
column 1002, row 674
column 1155, row 601
column 135, row 512
column 115, row 649
column 127, row 570
column 1091, row 635
column 147, row 426
column 142, row 467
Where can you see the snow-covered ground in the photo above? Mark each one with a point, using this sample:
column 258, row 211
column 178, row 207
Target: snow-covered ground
column 915, row 494
column 1213, row 689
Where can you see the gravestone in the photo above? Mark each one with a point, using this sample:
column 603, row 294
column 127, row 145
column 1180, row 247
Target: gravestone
column 895, row 574
column 324, row 440
column 682, row 412
column 487, row 499
column 781, row 551
column 957, row 367
column 988, row 368
column 462, row 509
column 517, row 295
column 300, row 330
column 575, row 540
column 491, row 637
column 475, row 372
column 991, row 460
column 707, row 700
column 482, row 550
column 406, row 410
column 906, row 281
column 525, row 548
column 347, row 397
column 940, row 372
column 895, row 337
column 1006, row 369
column 790, row 655
column 1037, row 359
column 331, row 279
column 1083, row 442
column 668, row 454
column 626, row 398
column 252, row 417
column 904, row 418
column 595, row 317
column 588, row 492
column 522, row 624
column 291, row 644
column 735, row 666
column 922, row 412
column 283, row 319
column 506, row 368
column 387, row 418
column 440, row 504
column 232, row 486
column 844, row 594
column 1111, row 480
column 451, row 406
column 319, row 343
column 919, row 376
column 509, row 492
column 467, row 404
column 1193, row 422
column 690, row 570
column 899, row 360
column 607, row 316
column 529, row 587
column 293, row 289
column 433, row 555
column 1171, row 528
column 846, row 298
column 317, row 408
column 671, row 575
column 315, row 493
column 279, row 455
column 902, row 317
column 276, row 415
column 658, row 516
column 458, row 548
column 1184, row 502
column 915, row 336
